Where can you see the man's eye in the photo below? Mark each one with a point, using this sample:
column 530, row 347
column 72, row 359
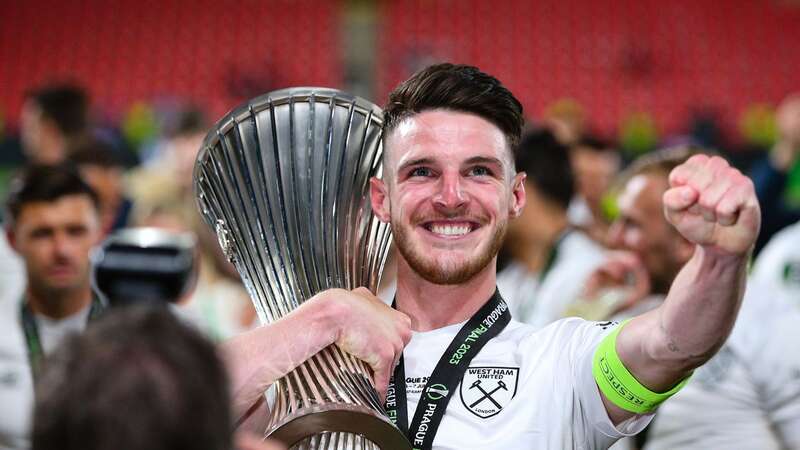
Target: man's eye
column 480, row 171
column 420, row 172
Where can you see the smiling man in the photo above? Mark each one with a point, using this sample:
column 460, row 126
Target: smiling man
column 470, row 377
column 53, row 223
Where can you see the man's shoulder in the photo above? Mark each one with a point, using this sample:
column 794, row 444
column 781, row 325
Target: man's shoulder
column 561, row 335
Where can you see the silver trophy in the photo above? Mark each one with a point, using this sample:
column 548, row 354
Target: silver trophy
column 284, row 182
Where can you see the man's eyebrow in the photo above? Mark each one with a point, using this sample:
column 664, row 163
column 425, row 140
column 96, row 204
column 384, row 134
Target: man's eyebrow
column 415, row 162
column 484, row 160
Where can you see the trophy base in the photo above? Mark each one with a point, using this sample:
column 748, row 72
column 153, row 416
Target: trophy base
column 339, row 417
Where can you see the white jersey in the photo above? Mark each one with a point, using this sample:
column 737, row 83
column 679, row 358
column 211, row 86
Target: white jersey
column 16, row 379
column 538, row 300
column 778, row 264
column 748, row 395
column 12, row 278
column 543, row 394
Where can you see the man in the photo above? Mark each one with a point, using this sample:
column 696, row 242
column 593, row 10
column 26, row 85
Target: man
column 52, row 224
column 776, row 173
column 449, row 190
column 778, row 264
column 656, row 251
column 595, row 163
column 550, row 260
column 733, row 401
column 138, row 379
column 52, row 121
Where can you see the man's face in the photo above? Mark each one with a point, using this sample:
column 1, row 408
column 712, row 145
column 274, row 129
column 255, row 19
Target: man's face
column 448, row 192
column 54, row 239
column 35, row 132
column 594, row 172
column 641, row 228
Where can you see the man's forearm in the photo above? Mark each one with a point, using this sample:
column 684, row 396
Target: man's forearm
column 662, row 346
column 256, row 359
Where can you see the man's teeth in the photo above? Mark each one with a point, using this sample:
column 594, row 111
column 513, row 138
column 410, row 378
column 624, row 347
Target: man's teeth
column 451, row 230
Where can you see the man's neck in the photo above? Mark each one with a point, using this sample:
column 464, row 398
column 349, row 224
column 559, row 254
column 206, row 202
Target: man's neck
column 60, row 305
column 433, row 306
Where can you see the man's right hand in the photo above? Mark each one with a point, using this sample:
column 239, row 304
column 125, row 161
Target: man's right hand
column 368, row 329
column 623, row 272
column 356, row 321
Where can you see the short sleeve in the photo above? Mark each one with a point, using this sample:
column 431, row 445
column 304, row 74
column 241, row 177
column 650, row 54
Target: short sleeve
column 601, row 431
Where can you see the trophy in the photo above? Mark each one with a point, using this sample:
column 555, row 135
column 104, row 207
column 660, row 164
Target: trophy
column 284, row 182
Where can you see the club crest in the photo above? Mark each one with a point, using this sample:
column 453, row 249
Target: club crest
column 486, row 390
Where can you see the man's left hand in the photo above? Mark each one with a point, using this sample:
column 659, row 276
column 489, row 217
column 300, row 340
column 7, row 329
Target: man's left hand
column 713, row 205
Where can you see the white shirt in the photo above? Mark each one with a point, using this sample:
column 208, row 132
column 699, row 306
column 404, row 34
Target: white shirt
column 12, row 278
column 748, row 395
column 778, row 263
column 539, row 302
column 16, row 380
column 550, row 400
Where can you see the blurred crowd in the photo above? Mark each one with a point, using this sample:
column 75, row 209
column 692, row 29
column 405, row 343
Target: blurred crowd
column 592, row 242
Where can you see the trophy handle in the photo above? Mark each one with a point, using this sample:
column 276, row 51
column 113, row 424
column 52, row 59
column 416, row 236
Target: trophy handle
column 332, row 391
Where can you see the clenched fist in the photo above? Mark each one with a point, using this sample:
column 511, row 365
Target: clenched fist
column 713, row 205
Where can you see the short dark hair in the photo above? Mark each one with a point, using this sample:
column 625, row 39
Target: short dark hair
column 547, row 165
column 95, row 153
column 593, row 143
column 46, row 183
column 66, row 105
column 459, row 88
column 137, row 379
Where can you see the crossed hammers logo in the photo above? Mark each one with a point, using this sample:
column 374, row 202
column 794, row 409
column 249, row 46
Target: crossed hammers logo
column 487, row 395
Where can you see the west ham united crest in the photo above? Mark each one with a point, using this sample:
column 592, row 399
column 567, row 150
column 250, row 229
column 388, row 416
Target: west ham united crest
column 486, row 390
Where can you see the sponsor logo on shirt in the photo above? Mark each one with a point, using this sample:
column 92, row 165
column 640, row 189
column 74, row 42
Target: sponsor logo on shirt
column 791, row 273
column 485, row 391
column 606, row 325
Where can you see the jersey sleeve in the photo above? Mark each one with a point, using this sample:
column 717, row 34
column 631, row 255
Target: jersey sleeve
column 591, row 419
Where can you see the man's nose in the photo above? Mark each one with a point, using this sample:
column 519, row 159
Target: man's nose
column 450, row 194
column 62, row 245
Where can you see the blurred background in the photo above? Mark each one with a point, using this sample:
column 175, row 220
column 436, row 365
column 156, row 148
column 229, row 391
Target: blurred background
column 129, row 89
column 638, row 72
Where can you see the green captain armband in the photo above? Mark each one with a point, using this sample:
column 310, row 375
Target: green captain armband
column 617, row 383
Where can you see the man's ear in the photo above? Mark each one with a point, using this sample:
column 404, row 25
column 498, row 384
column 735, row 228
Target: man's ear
column 379, row 199
column 518, row 195
column 11, row 238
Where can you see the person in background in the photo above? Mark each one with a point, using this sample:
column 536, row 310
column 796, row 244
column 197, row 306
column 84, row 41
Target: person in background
column 748, row 395
column 778, row 264
column 163, row 195
column 138, row 379
column 101, row 169
column 773, row 174
column 53, row 120
column 549, row 259
column 595, row 163
column 53, row 222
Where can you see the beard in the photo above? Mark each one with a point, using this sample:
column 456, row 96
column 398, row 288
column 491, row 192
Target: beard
column 449, row 273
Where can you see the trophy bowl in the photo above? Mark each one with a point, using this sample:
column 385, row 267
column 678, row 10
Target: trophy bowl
column 283, row 180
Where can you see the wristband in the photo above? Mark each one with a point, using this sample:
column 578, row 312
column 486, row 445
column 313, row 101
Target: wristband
column 618, row 384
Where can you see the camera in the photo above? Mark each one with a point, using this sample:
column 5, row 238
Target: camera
column 144, row 265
